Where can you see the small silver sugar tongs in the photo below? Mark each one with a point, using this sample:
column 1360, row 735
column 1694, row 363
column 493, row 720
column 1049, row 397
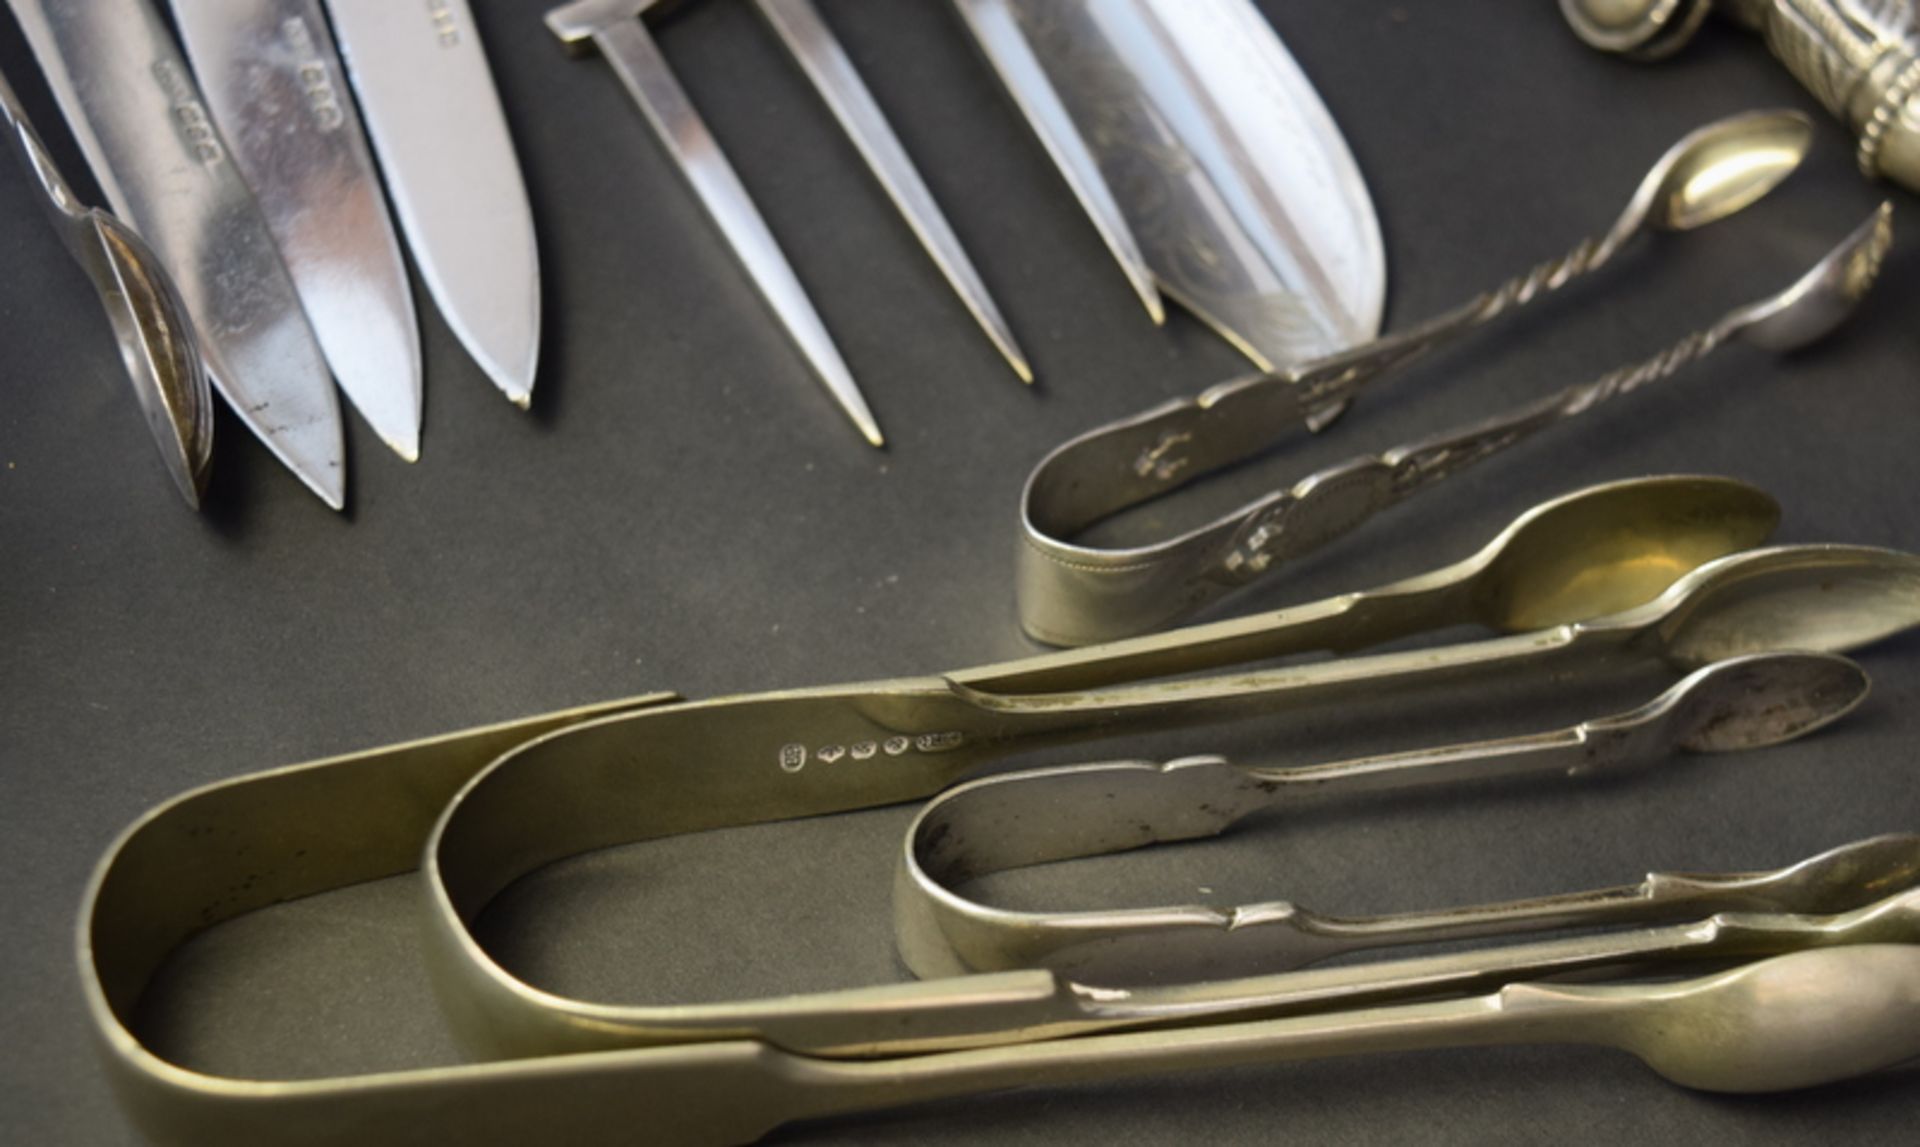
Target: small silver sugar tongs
column 1074, row 593
column 1041, row 816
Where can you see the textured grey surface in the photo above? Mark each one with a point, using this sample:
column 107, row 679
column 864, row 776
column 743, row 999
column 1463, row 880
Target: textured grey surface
column 683, row 509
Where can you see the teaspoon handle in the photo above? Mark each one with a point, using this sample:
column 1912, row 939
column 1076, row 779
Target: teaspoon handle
column 58, row 198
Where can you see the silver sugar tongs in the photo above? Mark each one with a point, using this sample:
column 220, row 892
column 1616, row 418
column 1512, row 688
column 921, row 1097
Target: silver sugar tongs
column 1041, row 816
column 1074, row 592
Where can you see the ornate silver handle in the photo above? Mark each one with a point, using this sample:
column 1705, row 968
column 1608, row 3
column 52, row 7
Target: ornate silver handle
column 1859, row 58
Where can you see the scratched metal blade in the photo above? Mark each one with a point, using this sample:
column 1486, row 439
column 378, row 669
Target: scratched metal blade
column 435, row 119
column 133, row 107
column 806, row 35
column 994, row 27
column 1231, row 173
column 613, row 26
column 279, row 97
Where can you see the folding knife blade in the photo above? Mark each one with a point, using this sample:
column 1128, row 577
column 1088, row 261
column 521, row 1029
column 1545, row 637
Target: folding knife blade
column 1231, row 173
column 163, row 166
column 278, row 95
column 998, row 33
column 435, row 119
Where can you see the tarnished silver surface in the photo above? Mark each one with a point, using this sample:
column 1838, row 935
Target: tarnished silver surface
column 310, row 828
column 511, row 797
column 806, row 35
column 140, row 121
column 434, row 116
column 614, row 27
column 148, row 317
column 994, row 26
column 1232, row 176
column 988, row 826
column 1860, row 58
column 746, row 760
column 1072, row 594
column 336, row 822
column 280, row 99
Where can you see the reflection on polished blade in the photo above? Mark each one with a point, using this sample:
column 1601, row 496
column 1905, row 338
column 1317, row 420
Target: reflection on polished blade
column 1232, row 176
column 438, row 128
column 139, row 120
column 275, row 87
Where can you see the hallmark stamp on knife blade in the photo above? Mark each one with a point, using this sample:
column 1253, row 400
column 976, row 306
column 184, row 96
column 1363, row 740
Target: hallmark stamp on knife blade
column 196, row 127
column 446, row 26
column 323, row 99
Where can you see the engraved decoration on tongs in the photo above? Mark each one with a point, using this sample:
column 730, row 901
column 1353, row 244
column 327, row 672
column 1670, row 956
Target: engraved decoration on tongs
column 1073, row 594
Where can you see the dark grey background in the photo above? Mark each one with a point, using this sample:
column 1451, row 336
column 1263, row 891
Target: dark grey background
column 685, row 509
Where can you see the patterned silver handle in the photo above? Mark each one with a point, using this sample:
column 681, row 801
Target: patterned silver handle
column 1859, row 58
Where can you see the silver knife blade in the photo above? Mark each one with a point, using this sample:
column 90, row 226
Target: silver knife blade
column 807, row 37
column 998, row 34
column 613, row 26
column 436, row 123
column 1232, row 175
column 139, row 120
column 278, row 95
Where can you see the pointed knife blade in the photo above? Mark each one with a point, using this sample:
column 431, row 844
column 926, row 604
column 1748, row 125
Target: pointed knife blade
column 613, row 26
column 807, row 37
column 274, row 84
column 436, row 123
column 1233, row 177
column 144, row 129
column 998, row 34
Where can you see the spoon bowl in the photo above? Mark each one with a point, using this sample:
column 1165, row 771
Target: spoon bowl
column 158, row 346
column 150, row 323
column 1719, row 169
column 1793, row 1021
column 1612, row 547
column 1824, row 598
column 1754, row 702
column 1825, row 296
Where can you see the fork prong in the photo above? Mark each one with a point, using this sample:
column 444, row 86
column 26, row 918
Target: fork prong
column 617, row 31
column 820, row 56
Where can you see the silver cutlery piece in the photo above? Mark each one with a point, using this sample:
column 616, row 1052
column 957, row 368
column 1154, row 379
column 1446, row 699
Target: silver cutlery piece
column 799, row 25
column 310, row 828
column 1232, row 177
column 733, row 761
column 435, row 120
column 614, row 27
column 1075, row 594
column 989, row 826
column 1859, row 58
column 149, row 319
column 140, row 121
column 1789, row 1022
column 274, row 84
column 997, row 31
